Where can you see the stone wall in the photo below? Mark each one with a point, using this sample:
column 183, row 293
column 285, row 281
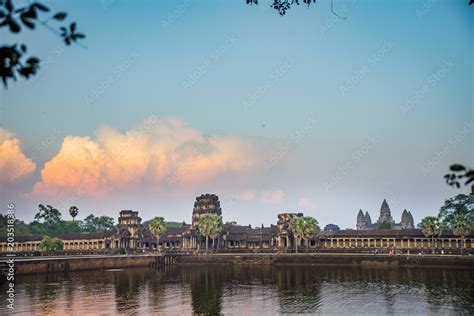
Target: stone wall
column 47, row 265
column 54, row 265
column 330, row 259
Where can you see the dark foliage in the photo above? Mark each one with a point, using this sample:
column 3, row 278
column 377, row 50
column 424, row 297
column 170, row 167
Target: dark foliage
column 97, row 224
column 458, row 174
column 13, row 62
column 461, row 204
column 385, row 225
column 284, row 5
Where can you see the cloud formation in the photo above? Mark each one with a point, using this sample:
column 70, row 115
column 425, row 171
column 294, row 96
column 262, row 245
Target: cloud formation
column 272, row 196
column 248, row 195
column 159, row 154
column 306, row 204
column 13, row 163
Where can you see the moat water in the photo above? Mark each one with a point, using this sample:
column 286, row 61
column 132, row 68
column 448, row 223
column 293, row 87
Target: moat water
column 247, row 290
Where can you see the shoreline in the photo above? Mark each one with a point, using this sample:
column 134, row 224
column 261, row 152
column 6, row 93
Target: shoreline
column 25, row 265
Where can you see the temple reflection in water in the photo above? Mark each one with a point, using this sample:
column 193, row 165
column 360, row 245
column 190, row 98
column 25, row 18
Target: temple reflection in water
column 240, row 289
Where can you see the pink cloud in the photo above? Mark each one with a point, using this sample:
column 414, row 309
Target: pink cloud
column 272, row 196
column 306, row 203
column 248, row 195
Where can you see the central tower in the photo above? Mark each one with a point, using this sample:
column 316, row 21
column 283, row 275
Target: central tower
column 204, row 204
column 385, row 214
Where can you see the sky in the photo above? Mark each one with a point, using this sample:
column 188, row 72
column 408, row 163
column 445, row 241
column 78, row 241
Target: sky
column 166, row 100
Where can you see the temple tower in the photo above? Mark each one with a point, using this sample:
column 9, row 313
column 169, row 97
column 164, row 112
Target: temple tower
column 368, row 220
column 385, row 214
column 128, row 224
column 410, row 218
column 204, row 204
column 361, row 221
column 407, row 220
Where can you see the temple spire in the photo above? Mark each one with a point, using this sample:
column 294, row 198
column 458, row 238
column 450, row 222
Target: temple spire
column 368, row 220
column 361, row 222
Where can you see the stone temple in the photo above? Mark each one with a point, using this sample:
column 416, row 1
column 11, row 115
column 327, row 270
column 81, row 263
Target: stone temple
column 364, row 221
column 131, row 236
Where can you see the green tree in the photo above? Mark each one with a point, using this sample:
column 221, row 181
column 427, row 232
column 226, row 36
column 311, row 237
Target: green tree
column 73, row 211
column 167, row 224
column 385, row 225
column 48, row 214
column 21, row 228
column 71, row 227
column 461, row 204
column 430, row 227
column 157, row 227
column 48, row 244
column 297, row 226
column 310, row 229
column 98, row 224
column 461, row 227
column 209, row 225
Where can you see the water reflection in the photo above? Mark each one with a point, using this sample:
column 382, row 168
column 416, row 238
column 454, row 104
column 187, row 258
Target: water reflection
column 231, row 289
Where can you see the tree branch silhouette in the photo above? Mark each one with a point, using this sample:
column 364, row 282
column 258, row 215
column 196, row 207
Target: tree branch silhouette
column 13, row 62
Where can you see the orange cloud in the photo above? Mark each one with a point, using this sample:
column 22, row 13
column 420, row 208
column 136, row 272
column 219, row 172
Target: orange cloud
column 13, row 162
column 272, row 196
column 159, row 153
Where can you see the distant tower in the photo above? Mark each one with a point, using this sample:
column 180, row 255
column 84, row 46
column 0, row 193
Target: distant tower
column 206, row 203
column 385, row 214
column 404, row 222
column 410, row 218
column 407, row 220
column 368, row 220
column 361, row 221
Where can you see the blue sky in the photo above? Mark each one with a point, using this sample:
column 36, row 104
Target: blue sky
column 389, row 88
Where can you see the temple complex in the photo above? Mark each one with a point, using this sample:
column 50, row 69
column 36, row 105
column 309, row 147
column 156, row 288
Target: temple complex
column 131, row 236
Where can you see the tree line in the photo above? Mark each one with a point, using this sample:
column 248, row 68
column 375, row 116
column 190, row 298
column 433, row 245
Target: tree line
column 456, row 215
column 48, row 221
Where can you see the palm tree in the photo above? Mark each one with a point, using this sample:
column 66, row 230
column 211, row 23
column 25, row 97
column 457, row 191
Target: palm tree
column 157, row 227
column 310, row 228
column 73, row 211
column 209, row 225
column 461, row 227
column 297, row 226
column 430, row 227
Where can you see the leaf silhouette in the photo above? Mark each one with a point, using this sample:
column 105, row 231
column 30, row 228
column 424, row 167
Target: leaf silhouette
column 40, row 6
column 60, row 16
column 457, row 167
